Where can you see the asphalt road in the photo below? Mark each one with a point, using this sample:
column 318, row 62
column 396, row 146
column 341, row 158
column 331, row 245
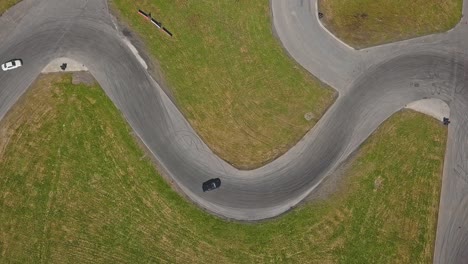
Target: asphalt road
column 298, row 28
column 373, row 84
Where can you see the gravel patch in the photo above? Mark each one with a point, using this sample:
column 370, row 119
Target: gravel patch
column 309, row 116
column 432, row 107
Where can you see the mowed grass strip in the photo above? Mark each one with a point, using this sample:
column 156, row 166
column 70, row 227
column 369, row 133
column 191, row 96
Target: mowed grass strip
column 364, row 23
column 229, row 75
column 5, row 4
column 76, row 188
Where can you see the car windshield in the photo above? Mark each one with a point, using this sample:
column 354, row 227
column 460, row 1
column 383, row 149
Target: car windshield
column 12, row 63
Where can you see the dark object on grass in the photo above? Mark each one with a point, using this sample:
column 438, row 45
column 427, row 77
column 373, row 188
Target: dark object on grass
column 63, row 66
column 156, row 23
column 143, row 13
column 167, row 31
column 320, row 14
column 446, row 121
column 211, row 184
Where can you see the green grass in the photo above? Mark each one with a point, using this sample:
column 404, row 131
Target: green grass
column 240, row 91
column 76, row 188
column 364, row 23
column 5, row 4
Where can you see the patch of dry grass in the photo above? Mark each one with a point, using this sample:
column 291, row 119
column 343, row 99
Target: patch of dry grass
column 5, row 4
column 364, row 23
column 75, row 188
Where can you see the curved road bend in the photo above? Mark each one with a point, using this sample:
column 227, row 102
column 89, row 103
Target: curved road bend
column 83, row 31
column 298, row 28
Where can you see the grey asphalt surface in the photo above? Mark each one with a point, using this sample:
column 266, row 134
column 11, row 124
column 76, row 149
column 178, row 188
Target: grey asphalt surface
column 373, row 84
column 298, row 28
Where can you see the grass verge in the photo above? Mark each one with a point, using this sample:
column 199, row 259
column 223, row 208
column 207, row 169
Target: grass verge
column 76, row 188
column 230, row 77
column 364, row 23
column 5, row 4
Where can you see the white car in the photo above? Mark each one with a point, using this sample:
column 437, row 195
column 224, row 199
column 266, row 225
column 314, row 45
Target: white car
column 13, row 64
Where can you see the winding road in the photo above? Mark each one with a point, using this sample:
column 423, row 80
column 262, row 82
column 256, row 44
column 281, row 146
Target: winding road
column 372, row 83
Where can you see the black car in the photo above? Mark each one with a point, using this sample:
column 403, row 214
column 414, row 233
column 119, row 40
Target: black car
column 446, row 121
column 211, row 184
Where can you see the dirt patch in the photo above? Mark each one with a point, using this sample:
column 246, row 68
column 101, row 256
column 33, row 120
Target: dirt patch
column 378, row 183
column 83, row 77
column 309, row 116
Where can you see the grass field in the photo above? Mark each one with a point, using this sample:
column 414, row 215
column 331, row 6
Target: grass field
column 5, row 4
column 229, row 75
column 364, row 23
column 76, row 188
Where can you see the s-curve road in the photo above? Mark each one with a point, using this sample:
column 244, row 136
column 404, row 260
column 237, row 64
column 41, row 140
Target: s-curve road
column 373, row 84
column 297, row 25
